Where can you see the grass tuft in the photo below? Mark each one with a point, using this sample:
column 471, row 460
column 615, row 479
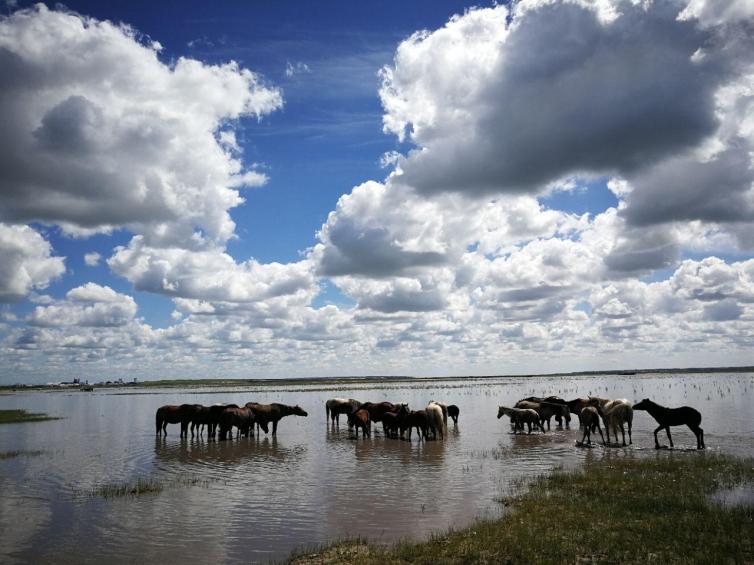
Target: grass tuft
column 611, row 511
column 144, row 485
column 19, row 453
column 16, row 416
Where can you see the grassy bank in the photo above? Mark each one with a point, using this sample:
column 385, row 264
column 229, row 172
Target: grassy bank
column 653, row 510
column 16, row 416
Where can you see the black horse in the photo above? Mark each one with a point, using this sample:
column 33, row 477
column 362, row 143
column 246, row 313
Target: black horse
column 666, row 417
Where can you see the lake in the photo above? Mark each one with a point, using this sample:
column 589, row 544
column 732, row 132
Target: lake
column 256, row 499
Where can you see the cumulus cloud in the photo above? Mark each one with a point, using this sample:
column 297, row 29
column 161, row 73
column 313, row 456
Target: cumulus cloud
column 90, row 305
column 26, row 262
column 92, row 259
column 99, row 133
column 210, row 275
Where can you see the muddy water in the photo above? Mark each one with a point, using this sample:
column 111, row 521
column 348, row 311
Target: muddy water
column 256, row 499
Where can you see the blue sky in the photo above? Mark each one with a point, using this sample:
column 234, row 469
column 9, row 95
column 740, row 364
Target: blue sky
column 431, row 188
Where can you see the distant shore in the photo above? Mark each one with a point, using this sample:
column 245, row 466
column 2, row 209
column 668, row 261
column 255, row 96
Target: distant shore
column 350, row 380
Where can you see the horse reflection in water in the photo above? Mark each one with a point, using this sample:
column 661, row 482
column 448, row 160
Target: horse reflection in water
column 214, row 456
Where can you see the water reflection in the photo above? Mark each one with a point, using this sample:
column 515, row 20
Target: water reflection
column 306, row 485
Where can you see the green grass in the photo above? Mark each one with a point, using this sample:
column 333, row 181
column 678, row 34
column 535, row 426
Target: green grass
column 16, row 416
column 144, row 485
column 653, row 510
column 18, row 453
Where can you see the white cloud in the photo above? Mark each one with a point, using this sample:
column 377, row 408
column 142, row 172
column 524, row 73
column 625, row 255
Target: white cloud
column 26, row 262
column 92, row 259
column 99, row 133
column 90, row 305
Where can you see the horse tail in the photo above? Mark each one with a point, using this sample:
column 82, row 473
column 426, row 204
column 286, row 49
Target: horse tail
column 327, row 410
column 158, row 421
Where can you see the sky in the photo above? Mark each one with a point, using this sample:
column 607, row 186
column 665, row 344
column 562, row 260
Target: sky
column 291, row 189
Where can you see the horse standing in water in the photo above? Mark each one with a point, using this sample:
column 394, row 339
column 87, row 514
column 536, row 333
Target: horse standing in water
column 172, row 414
column 590, row 418
column 266, row 413
column 453, row 412
column 337, row 406
column 614, row 414
column 666, row 417
column 360, row 419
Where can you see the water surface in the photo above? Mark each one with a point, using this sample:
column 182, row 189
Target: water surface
column 258, row 498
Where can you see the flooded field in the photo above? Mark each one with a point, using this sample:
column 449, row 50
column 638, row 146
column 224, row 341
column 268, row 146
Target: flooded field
column 256, row 499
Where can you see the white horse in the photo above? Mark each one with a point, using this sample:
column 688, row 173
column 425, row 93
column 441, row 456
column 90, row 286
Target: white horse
column 435, row 419
column 614, row 414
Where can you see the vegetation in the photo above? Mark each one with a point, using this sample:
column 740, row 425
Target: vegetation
column 143, row 485
column 653, row 510
column 15, row 416
column 18, row 453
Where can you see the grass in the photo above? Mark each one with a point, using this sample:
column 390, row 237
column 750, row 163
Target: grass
column 18, row 453
column 16, row 416
column 653, row 510
column 143, row 486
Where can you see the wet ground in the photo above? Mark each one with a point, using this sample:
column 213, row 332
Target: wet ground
column 256, row 499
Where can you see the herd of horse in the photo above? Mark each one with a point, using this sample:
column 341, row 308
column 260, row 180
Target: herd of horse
column 224, row 417
column 615, row 414
column 431, row 423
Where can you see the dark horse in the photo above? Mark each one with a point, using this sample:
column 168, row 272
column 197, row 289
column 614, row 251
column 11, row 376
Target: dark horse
column 266, row 413
column 666, row 417
column 172, row 414
column 453, row 412
column 378, row 409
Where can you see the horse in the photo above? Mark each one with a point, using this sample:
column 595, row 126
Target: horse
column 265, row 413
column 546, row 410
column 576, row 406
column 360, row 419
column 391, row 421
column 172, row 414
column 666, row 417
column 444, row 408
column 590, row 419
column 614, row 414
column 435, row 420
column 241, row 418
column 559, row 417
column 453, row 412
column 410, row 419
column 337, row 406
column 521, row 416
column 377, row 409
column 213, row 418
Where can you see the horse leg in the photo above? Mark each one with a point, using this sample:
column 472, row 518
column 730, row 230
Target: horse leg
column 657, row 443
column 274, row 427
column 630, row 439
column 670, row 439
column 600, row 430
column 622, row 433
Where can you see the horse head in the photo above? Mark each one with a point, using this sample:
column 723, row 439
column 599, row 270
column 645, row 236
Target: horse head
column 298, row 411
column 643, row 405
column 500, row 412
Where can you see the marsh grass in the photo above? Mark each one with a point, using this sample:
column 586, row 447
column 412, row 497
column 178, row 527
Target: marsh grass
column 144, row 486
column 611, row 511
column 16, row 416
column 19, row 453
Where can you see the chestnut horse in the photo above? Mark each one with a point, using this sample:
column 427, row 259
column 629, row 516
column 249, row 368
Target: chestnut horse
column 266, row 413
column 241, row 418
column 360, row 419
column 172, row 414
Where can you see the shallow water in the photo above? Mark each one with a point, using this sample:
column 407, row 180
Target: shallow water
column 256, row 499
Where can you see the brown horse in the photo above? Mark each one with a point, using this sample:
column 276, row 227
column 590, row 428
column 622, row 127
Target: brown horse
column 376, row 410
column 241, row 418
column 172, row 414
column 560, row 415
column 337, row 406
column 391, row 421
column 266, row 413
column 666, row 417
column 590, row 419
column 360, row 419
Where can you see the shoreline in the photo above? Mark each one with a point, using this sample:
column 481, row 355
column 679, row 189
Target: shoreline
column 352, row 380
